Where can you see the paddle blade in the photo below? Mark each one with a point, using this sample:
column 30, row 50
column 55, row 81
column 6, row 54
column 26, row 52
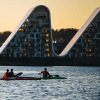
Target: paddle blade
column 19, row 74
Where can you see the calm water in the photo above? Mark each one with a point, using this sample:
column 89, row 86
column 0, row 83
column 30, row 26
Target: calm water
column 82, row 83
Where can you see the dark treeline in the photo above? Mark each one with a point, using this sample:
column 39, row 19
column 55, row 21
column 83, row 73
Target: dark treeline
column 65, row 34
column 4, row 35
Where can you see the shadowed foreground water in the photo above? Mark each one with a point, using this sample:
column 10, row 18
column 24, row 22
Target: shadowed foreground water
column 82, row 83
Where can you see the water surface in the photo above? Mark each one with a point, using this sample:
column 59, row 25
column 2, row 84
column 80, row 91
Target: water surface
column 82, row 83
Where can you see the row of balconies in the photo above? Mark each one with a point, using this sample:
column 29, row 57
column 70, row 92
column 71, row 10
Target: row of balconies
column 27, row 55
column 88, row 41
column 36, row 21
column 34, row 30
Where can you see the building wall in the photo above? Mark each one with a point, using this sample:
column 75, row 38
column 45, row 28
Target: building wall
column 33, row 38
column 88, row 44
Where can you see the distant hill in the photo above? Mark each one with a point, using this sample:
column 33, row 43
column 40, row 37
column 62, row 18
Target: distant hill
column 65, row 34
column 4, row 35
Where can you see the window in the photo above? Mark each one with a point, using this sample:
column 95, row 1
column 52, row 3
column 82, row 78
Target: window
column 47, row 40
column 89, row 40
column 29, row 44
column 43, row 34
column 27, row 30
column 29, row 39
column 25, row 54
column 25, row 25
column 47, row 35
column 12, row 40
column 87, row 30
column 46, row 30
column 90, row 25
column 38, row 40
column 47, row 45
column 34, row 30
column 32, row 35
column 38, row 30
column 37, row 35
column 98, row 35
column 22, row 40
column 22, row 30
column 47, row 49
column 27, row 20
column 33, row 25
column 89, row 55
column 69, row 55
column 24, row 49
column 48, row 54
column 25, row 40
column 5, row 49
column 90, row 50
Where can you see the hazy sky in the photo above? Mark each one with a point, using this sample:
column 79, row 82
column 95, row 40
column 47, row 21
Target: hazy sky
column 64, row 13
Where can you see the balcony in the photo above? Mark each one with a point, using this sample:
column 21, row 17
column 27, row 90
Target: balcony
column 40, row 17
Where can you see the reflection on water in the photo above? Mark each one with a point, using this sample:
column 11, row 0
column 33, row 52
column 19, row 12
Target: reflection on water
column 82, row 83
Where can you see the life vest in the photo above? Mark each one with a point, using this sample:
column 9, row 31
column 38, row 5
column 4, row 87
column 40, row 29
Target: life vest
column 5, row 75
column 44, row 73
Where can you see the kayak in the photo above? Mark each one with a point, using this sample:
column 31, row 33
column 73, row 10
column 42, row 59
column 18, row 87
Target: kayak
column 20, row 78
column 53, row 78
column 31, row 78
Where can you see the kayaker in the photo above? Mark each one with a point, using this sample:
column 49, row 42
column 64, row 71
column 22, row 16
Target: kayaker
column 45, row 73
column 11, row 74
column 6, row 75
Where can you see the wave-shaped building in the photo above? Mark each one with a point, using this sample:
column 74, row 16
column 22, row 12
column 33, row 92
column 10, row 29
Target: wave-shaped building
column 33, row 37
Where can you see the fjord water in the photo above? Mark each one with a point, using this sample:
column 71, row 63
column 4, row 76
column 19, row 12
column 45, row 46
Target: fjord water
column 82, row 83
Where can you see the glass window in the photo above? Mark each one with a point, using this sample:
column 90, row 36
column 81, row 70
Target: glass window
column 47, row 35
column 29, row 44
column 47, row 40
column 29, row 39
column 25, row 54
column 48, row 54
column 25, row 40
column 89, row 55
column 43, row 34
column 47, row 49
column 22, row 30
column 5, row 49
column 89, row 40
column 24, row 49
column 90, row 50
column 47, row 45
column 46, row 30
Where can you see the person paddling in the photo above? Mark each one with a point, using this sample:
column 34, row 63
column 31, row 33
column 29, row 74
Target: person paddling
column 6, row 75
column 45, row 73
column 11, row 74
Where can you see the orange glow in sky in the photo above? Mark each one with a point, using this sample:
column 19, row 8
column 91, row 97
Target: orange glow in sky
column 64, row 13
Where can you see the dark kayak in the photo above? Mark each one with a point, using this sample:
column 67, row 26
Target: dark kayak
column 31, row 78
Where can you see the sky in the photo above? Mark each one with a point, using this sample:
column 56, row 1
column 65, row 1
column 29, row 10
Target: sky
column 64, row 13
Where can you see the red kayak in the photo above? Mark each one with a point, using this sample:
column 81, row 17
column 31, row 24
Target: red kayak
column 21, row 78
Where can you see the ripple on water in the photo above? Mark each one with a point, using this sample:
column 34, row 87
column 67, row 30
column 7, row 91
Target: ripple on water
column 82, row 83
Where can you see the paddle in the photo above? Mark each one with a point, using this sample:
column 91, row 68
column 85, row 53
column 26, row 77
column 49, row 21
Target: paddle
column 19, row 74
